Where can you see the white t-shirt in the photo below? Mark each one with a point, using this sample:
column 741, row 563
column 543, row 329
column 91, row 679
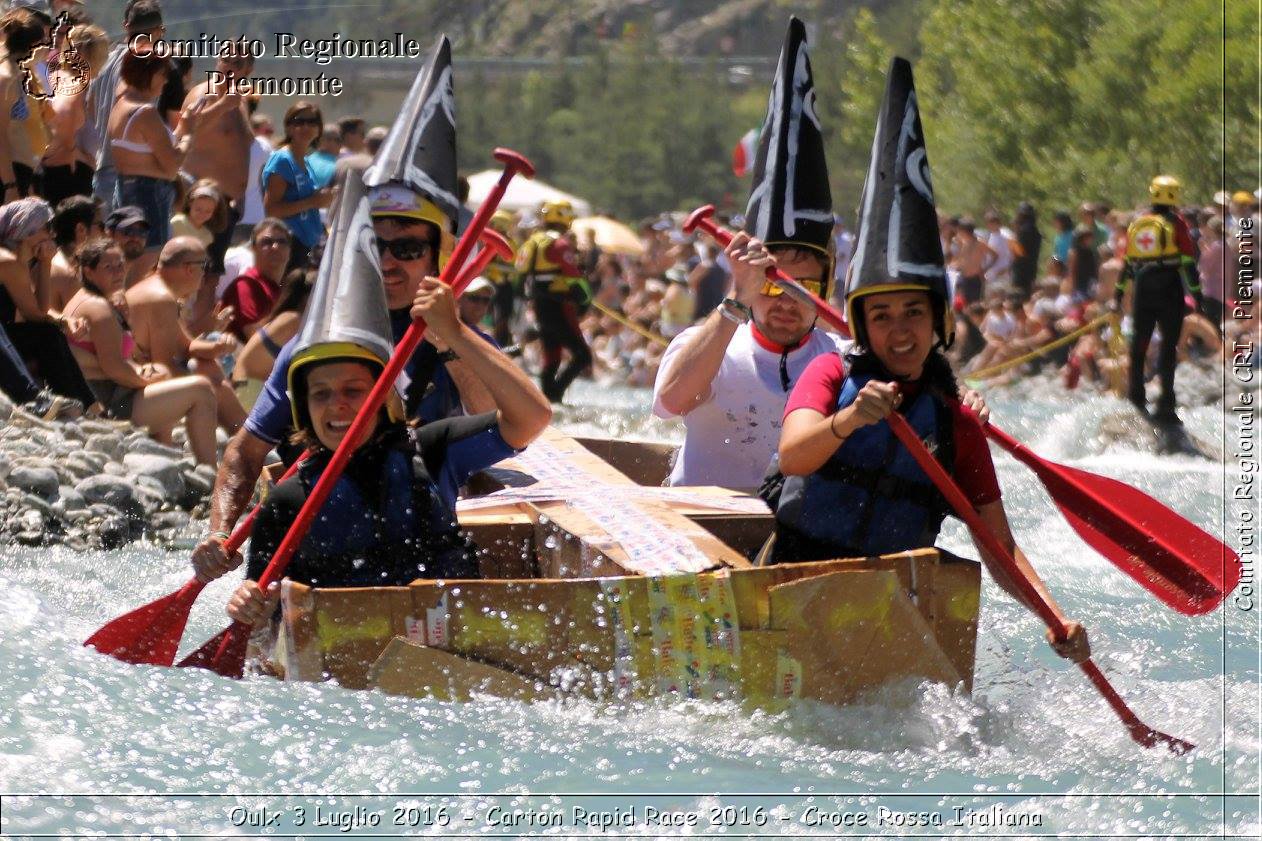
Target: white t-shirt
column 236, row 261
column 730, row 438
column 998, row 270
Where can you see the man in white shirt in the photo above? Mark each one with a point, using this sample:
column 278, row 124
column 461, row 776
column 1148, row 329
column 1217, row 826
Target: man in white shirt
column 730, row 376
column 998, row 272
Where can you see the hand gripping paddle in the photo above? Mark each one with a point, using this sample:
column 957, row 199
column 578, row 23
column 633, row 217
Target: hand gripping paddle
column 701, row 218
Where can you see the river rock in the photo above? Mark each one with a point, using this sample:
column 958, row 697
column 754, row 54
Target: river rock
column 31, row 502
column 113, row 468
column 22, row 447
column 169, row 520
column 113, row 491
column 111, row 444
column 162, row 469
column 111, row 532
column 150, row 499
column 68, row 499
column 200, row 479
column 80, row 466
column 41, row 481
column 148, row 446
column 6, row 407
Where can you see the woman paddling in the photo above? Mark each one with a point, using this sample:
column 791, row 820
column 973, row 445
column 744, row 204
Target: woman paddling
column 852, row 490
column 391, row 516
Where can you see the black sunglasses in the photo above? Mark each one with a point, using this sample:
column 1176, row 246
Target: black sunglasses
column 305, row 121
column 405, row 248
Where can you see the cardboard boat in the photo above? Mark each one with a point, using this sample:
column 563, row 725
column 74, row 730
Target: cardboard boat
column 601, row 585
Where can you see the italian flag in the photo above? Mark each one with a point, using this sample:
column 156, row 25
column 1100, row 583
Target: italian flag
column 743, row 154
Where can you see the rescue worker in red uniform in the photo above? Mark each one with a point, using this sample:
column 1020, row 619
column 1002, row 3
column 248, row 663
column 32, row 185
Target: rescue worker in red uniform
column 1161, row 261
column 559, row 293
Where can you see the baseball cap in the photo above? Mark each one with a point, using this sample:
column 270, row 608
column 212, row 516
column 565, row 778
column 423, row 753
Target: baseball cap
column 125, row 216
column 478, row 284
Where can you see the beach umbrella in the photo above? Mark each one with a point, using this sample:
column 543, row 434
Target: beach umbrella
column 610, row 234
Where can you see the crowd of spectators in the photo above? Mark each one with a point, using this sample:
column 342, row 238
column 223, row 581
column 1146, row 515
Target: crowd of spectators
column 157, row 240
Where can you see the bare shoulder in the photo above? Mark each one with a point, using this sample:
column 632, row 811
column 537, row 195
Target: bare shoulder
column 150, row 292
column 196, row 93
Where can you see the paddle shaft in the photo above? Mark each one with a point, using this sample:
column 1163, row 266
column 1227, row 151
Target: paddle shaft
column 513, row 163
column 1139, row 731
column 789, row 284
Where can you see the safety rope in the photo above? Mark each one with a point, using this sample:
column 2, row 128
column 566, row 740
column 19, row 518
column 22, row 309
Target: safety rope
column 1039, row 351
column 625, row 322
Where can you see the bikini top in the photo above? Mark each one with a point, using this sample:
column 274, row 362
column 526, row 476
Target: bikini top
column 135, row 145
column 129, row 340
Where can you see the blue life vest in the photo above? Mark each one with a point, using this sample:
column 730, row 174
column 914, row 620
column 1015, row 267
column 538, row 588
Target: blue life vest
column 382, row 525
column 870, row 497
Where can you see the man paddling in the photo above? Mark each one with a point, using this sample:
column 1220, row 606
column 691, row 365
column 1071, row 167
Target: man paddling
column 728, row 377
column 412, row 186
column 391, row 515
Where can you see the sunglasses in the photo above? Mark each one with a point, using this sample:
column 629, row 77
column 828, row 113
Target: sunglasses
column 771, row 290
column 405, row 248
column 140, row 229
column 305, row 121
column 272, row 242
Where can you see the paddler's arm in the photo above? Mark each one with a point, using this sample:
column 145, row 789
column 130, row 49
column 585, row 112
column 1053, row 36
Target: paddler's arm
column 522, row 410
column 686, row 378
column 234, row 486
column 1075, row 646
column 809, row 438
column 474, row 396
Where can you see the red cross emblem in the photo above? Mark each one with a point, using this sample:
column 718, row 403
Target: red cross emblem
column 1146, row 241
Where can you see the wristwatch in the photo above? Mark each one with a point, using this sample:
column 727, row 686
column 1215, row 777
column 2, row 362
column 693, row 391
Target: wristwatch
column 447, row 355
column 734, row 311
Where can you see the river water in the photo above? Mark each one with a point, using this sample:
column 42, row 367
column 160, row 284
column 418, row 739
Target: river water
column 90, row 746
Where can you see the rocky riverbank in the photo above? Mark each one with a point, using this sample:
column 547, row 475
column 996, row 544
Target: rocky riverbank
column 95, row 484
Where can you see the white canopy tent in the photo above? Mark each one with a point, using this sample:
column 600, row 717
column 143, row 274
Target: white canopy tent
column 524, row 195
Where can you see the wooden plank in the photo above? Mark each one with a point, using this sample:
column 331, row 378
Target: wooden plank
column 418, row 671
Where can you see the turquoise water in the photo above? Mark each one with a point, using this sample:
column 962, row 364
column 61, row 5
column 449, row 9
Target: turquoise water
column 91, row 746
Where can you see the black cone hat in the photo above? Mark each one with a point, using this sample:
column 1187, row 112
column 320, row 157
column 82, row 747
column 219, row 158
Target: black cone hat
column 790, row 202
column 419, row 153
column 346, row 314
column 896, row 245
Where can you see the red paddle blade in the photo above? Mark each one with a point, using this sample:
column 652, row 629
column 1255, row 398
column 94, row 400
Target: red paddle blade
column 223, row 654
column 1181, row 564
column 149, row 635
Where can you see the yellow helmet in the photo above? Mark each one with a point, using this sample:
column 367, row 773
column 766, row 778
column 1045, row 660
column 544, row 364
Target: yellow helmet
column 1242, row 197
column 1165, row 189
column 396, row 200
column 559, row 212
column 502, row 221
column 307, row 358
